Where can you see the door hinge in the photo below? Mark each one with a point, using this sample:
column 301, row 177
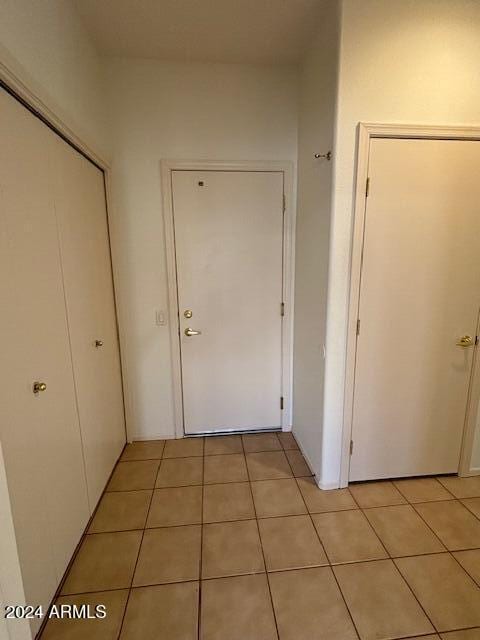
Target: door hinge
column 281, row 403
column 282, row 308
column 284, row 203
column 476, row 340
column 351, row 447
column 358, row 326
column 367, row 188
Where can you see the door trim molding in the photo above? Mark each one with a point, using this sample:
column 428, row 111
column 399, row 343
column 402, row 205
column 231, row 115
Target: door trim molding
column 365, row 132
column 166, row 168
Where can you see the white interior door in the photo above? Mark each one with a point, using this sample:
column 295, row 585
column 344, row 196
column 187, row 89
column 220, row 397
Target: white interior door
column 229, row 255
column 39, row 432
column 420, row 293
column 83, row 232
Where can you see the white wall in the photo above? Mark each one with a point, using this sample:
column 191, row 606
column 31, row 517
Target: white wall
column 316, row 119
column 402, row 61
column 44, row 43
column 181, row 111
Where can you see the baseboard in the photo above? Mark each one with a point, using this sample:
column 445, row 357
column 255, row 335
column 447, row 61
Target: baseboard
column 327, row 486
column 153, row 436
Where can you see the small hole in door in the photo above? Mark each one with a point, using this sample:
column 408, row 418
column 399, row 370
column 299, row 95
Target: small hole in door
column 201, row 183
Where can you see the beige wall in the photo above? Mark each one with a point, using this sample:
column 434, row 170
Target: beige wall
column 316, row 118
column 404, row 61
column 44, row 42
column 176, row 111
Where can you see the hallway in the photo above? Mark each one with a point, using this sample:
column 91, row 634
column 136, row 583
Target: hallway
column 229, row 537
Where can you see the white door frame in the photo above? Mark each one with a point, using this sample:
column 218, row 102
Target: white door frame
column 367, row 131
column 167, row 166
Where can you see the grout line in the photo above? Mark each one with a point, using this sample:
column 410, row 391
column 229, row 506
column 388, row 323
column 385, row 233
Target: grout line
column 451, row 553
column 138, row 556
column 261, row 547
column 202, row 530
column 327, row 557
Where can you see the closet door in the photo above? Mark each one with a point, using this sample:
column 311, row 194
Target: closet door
column 82, row 220
column 39, row 432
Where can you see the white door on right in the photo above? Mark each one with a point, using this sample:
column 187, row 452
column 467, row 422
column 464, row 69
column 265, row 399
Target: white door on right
column 419, row 305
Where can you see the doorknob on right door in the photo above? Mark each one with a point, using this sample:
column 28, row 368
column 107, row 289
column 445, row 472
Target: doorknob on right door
column 465, row 341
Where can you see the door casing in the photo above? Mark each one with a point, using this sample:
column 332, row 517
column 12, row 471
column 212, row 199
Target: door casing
column 166, row 167
column 367, row 131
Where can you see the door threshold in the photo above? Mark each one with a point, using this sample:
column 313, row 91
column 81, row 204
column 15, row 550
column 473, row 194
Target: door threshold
column 232, row 432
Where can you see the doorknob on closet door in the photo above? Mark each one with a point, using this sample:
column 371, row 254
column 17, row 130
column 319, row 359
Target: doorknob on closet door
column 192, row 332
column 39, row 386
column 99, row 343
column 465, row 341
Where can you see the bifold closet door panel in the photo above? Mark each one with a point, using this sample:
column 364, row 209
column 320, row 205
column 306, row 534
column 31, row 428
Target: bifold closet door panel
column 39, row 432
column 83, row 231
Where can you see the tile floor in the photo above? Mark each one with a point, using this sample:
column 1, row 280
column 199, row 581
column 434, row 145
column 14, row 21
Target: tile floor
column 228, row 538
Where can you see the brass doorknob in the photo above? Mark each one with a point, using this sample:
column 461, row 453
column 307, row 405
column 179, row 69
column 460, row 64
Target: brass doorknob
column 192, row 332
column 188, row 313
column 99, row 343
column 39, row 386
column 465, row 341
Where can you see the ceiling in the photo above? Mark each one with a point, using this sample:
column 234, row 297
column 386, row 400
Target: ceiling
column 248, row 31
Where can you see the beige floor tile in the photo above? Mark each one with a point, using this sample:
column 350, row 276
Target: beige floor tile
column 225, row 468
column 104, row 561
column 467, row 634
column 455, row 525
column 462, row 487
column 218, row 445
column 402, row 531
column 231, row 548
column 449, row 596
column 183, row 448
column 171, row 507
column 287, row 440
column 290, row 543
column 297, row 462
column 131, row 476
column 422, row 489
column 261, row 442
column 165, row 612
column 121, row 511
column 473, row 505
column 320, row 501
column 381, row 604
column 277, row 498
column 224, row 502
column 376, row 494
column 145, row 450
column 470, row 561
column 309, row 605
column 171, row 554
column 348, row 537
column 180, row 472
column 268, row 465
column 93, row 629
column 237, row 609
